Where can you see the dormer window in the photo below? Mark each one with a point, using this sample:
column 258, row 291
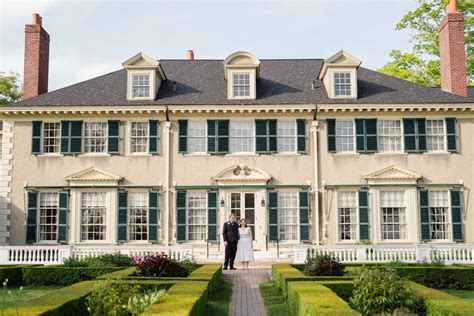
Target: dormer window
column 241, row 84
column 241, row 71
column 339, row 75
column 141, row 85
column 342, row 84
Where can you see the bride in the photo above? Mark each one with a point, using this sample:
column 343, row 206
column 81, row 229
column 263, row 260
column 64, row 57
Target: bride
column 244, row 246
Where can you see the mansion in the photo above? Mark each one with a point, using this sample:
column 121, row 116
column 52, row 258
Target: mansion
column 308, row 151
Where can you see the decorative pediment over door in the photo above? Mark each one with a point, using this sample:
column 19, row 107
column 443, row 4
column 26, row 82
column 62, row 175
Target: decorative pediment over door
column 242, row 174
column 93, row 176
column 393, row 174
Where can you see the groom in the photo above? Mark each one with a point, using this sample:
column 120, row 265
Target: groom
column 231, row 238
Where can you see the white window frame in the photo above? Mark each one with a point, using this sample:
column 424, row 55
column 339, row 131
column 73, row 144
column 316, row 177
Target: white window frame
column 283, row 137
column 205, row 207
column 146, row 206
column 252, row 136
column 448, row 216
column 443, row 136
column 351, row 85
column 105, row 217
column 380, row 136
column 131, row 137
column 48, row 241
column 404, row 231
column 58, row 138
column 252, row 81
column 297, row 225
column 241, row 85
column 346, row 136
column 190, row 150
column 137, row 74
column 84, row 138
column 338, row 206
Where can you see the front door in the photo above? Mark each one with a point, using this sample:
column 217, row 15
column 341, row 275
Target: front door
column 242, row 204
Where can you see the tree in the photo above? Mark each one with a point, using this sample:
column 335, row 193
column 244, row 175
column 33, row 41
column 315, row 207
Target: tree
column 9, row 88
column 422, row 64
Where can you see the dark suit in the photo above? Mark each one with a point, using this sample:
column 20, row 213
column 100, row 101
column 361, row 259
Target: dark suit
column 230, row 234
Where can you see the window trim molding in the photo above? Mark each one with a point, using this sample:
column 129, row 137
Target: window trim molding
column 252, row 79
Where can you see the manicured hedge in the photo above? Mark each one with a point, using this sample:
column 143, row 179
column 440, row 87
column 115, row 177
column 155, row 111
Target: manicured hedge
column 343, row 289
column 208, row 272
column 187, row 298
column 440, row 303
column 440, row 277
column 122, row 274
column 284, row 273
column 14, row 274
column 59, row 275
column 312, row 298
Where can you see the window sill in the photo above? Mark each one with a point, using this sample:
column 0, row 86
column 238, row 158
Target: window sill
column 347, row 242
column 141, row 155
column 243, row 155
column 391, row 153
column 93, row 155
column 345, row 154
column 441, row 242
column 197, row 155
column 50, row 155
column 442, row 153
column 47, row 243
column 397, row 242
column 288, row 154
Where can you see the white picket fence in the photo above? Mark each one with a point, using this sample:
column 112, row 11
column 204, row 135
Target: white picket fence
column 56, row 254
column 449, row 254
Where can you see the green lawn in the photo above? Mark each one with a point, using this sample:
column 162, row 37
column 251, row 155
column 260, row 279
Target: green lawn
column 219, row 301
column 18, row 297
column 275, row 303
column 467, row 295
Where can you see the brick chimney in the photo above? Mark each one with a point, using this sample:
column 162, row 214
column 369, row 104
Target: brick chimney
column 190, row 54
column 36, row 68
column 452, row 53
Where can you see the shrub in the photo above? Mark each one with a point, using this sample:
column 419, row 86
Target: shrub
column 110, row 298
column 395, row 264
column 440, row 277
column 13, row 274
column 137, row 304
column 58, row 275
column 107, row 260
column 379, row 291
column 323, row 265
column 160, row 265
column 189, row 265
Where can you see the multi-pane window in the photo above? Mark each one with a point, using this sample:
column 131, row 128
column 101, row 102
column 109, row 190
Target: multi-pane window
column 439, row 210
column 342, row 83
column 347, row 206
column 141, row 85
column 288, row 216
column 139, row 137
column 197, row 137
column 286, row 131
column 242, row 136
column 93, row 215
column 392, row 206
column 138, row 216
column 389, row 135
column 51, row 137
column 344, row 135
column 197, row 219
column 48, row 216
column 95, row 137
column 435, row 135
column 241, row 84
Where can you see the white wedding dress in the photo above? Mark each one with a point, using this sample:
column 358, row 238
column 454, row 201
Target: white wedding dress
column 244, row 246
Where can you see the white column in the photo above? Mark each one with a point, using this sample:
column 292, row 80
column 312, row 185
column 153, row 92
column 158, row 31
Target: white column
column 315, row 211
column 375, row 210
column 167, row 187
column 6, row 180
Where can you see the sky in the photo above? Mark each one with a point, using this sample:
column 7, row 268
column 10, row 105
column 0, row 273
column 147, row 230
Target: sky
column 91, row 38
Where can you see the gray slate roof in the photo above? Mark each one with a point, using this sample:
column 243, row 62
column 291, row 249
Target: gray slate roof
column 281, row 81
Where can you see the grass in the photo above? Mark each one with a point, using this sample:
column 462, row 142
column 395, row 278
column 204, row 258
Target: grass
column 275, row 303
column 18, row 297
column 219, row 301
column 467, row 295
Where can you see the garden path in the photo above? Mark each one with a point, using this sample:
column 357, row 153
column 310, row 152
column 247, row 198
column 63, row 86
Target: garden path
column 246, row 297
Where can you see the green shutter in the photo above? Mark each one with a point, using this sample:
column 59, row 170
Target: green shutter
column 71, row 137
column 456, row 214
column 363, row 215
column 62, row 217
column 261, row 136
column 153, row 216
column 273, row 215
column 272, row 136
column 31, row 219
column 212, row 216
column 421, row 131
column 451, row 134
column 218, row 136
column 183, row 136
column 331, row 134
column 409, row 135
column 36, row 139
column 153, row 136
column 113, row 137
column 360, row 135
column 181, row 216
column 424, row 203
column 301, row 132
column 304, row 216
column 122, row 216
column 366, row 135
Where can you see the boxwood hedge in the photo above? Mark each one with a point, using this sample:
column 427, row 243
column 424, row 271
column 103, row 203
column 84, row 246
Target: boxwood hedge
column 60, row 275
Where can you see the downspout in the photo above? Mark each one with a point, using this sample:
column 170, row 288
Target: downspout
column 314, row 135
column 167, row 186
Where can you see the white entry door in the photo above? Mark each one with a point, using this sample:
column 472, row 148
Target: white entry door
column 242, row 204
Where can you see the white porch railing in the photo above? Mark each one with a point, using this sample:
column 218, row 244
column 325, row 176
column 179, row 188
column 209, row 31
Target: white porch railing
column 56, row 254
column 449, row 254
